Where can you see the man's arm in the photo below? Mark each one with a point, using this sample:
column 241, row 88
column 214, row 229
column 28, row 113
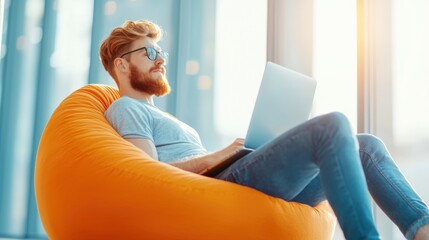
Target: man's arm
column 196, row 164
column 146, row 145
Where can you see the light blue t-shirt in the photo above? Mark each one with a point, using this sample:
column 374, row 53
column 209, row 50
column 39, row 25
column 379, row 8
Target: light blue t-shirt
column 173, row 139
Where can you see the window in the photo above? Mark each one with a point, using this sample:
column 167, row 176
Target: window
column 407, row 131
column 240, row 53
column 335, row 58
column 70, row 58
column 410, row 79
column 394, row 57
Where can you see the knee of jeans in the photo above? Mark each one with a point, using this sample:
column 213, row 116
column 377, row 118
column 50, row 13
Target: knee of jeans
column 337, row 120
column 368, row 142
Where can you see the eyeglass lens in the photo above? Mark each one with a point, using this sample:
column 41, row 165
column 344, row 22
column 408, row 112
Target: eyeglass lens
column 152, row 54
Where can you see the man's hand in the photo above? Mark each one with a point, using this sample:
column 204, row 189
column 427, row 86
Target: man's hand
column 230, row 150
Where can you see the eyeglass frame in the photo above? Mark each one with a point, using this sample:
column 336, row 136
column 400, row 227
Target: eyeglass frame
column 162, row 54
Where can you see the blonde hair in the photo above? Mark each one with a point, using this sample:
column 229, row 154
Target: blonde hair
column 120, row 39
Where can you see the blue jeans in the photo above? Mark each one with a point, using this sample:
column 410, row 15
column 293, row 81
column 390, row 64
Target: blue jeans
column 322, row 159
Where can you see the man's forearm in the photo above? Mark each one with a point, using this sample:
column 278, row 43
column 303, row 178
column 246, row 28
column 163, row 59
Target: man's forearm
column 200, row 163
column 197, row 164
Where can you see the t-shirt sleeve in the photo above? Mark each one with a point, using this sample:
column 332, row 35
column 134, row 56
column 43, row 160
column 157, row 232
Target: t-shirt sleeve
column 130, row 120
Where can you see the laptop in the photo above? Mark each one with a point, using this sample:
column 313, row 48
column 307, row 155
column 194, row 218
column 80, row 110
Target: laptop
column 284, row 100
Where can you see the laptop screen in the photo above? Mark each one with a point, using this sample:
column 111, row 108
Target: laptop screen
column 285, row 99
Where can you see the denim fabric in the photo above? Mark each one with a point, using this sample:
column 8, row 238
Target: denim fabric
column 322, row 159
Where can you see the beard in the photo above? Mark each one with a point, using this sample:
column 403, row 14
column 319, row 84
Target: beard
column 143, row 81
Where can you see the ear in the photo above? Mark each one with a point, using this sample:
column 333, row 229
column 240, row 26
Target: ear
column 121, row 64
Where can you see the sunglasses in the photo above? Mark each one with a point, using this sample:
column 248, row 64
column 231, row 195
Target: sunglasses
column 151, row 53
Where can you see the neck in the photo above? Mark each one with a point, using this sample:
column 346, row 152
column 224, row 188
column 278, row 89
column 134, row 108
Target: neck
column 136, row 95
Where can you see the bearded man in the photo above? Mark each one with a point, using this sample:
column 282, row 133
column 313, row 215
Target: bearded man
column 317, row 160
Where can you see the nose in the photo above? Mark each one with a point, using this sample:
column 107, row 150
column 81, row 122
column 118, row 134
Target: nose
column 160, row 60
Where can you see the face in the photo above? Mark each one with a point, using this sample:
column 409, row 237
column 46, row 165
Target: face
column 146, row 75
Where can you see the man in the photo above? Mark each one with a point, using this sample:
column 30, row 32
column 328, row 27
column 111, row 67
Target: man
column 320, row 159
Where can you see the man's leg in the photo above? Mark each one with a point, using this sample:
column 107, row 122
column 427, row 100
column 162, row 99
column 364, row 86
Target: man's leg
column 389, row 188
column 323, row 146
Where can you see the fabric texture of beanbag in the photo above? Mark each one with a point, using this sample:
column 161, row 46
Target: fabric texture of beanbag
column 92, row 184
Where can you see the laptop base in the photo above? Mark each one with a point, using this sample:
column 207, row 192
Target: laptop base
column 214, row 170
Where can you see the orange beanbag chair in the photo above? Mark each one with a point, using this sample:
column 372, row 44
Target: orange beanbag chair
column 92, row 184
